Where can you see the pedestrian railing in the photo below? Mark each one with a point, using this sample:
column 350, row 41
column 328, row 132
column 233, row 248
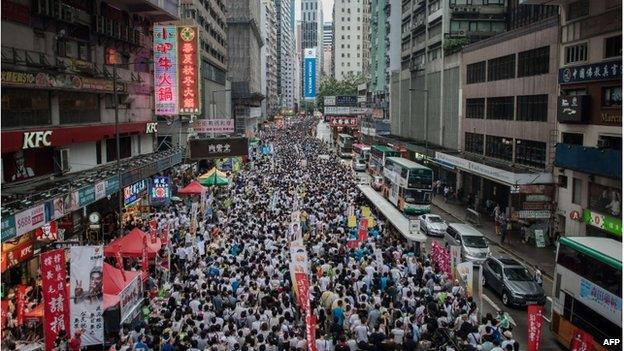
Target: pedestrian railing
column 473, row 217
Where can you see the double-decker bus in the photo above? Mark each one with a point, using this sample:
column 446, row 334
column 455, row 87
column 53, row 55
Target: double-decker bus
column 587, row 290
column 345, row 145
column 361, row 151
column 378, row 155
column 408, row 185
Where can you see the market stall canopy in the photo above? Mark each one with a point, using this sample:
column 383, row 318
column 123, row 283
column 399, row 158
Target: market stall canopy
column 131, row 245
column 211, row 173
column 194, row 188
column 114, row 281
column 214, row 179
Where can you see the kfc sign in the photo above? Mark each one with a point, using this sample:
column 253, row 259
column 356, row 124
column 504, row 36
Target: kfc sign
column 37, row 139
column 150, row 128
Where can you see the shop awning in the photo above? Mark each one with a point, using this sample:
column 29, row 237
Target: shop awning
column 194, row 188
column 131, row 245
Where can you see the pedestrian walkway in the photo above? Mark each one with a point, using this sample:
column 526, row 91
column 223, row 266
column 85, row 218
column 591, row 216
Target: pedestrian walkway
column 542, row 258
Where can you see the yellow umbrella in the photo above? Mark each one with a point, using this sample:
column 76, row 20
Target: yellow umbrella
column 211, row 172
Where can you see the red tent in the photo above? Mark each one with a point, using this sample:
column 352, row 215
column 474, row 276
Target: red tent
column 131, row 245
column 114, row 283
column 194, row 188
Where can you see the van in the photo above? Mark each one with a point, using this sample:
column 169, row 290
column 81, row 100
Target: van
column 473, row 245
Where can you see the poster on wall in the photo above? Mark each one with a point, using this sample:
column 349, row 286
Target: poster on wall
column 26, row 164
column 55, row 301
column 86, row 294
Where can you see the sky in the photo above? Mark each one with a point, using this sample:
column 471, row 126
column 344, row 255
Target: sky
column 327, row 10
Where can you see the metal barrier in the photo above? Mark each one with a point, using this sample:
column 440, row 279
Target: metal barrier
column 473, row 217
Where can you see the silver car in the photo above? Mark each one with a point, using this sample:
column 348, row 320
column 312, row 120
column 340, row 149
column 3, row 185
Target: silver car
column 433, row 225
column 473, row 245
column 512, row 282
column 359, row 165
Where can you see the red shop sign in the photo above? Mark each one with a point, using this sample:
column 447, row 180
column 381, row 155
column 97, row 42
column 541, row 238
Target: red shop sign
column 15, row 253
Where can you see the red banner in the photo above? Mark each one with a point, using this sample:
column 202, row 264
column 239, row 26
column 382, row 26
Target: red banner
column 311, row 331
column 47, row 232
column 441, row 257
column 153, row 230
column 145, row 262
column 55, row 302
column 535, row 327
column 352, row 244
column 303, row 289
column 582, row 341
column 20, row 304
column 363, row 230
column 165, row 234
column 15, row 253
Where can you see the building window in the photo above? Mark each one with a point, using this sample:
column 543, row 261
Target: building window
column 612, row 96
column 576, row 53
column 605, row 199
column 475, row 72
column 533, row 62
column 532, row 108
column 613, row 46
column 562, row 181
column 125, row 148
column 531, row 153
column 79, row 108
column 502, row 68
column 578, row 9
column 577, row 191
column 474, row 143
column 575, row 92
column 572, row 138
column 25, row 107
column 475, row 108
column 499, row 147
column 500, row 108
column 610, row 142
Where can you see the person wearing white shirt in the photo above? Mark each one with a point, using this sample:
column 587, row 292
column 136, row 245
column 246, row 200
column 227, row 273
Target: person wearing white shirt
column 361, row 332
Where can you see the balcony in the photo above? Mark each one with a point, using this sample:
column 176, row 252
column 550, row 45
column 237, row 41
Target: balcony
column 592, row 160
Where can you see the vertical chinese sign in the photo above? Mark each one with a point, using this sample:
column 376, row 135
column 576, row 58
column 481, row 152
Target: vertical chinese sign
column 55, row 301
column 188, row 59
column 535, row 327
column 165, row 71
column 86, row 292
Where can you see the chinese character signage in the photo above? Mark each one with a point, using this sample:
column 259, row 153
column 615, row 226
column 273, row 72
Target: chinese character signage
column 130, row 298
column 216, row 126
column 188, row 44
column 594, row 72
column 610, row 224
column 603, row 301
column 535, row 327
column 309, row 76
column 573, row 109
column 86, row 305
column 55, row 301
column 134, row 192
column 343, row 122
column 346, row 100
column 218, row 148
column 160, row 192
column 8, row 228
column 165, row 70
column 15, row 252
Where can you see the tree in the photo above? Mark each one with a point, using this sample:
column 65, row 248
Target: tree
column 330, row 86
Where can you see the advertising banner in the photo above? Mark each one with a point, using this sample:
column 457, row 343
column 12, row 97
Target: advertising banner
column 214, row 126
column 343, row 121
column 86, row 304
column 309, row 76
column 30, row 219
column 100, row 190
column 582, row 341
column 160, row 192
column 535, row 327
column 134, row 192
column 165, row 70
column 189, row 77
column 8, row 228
column 218, row 147
column 48, row 232
column 16, row 251
column 455, row 259
column 55, row 300
column 465, row 272
column 130, row 297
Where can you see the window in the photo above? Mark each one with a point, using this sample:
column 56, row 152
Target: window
column 531, row 153
column 502, row 68
column 613, row 46
column 475, row 72
column 25, row 107
column 533, row 62
column 610, row 142
column 475, row 108
column 79, row 108
column 577, row 191
column 532, row 108
column 575, row 92
column 474, row 143
column 500, row 108
column 576, row 53
column 562, row 181
column 591, row 269
column 612, row 96
column 125, row 149
column 499, row 147
column 605, row 199
column 572, row 138
column 578, row 9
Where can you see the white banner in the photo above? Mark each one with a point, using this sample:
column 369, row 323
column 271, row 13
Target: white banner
column 345, row 110
column 298, row 258
column 329, row 101
column 100, row 190
column 465, row 272
column 217, row 126
column 130, row 297
column 87, row 297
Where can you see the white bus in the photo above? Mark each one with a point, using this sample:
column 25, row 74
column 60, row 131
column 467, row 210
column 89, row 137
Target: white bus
column 587, row 289
column 345, row 145
column 408, row 185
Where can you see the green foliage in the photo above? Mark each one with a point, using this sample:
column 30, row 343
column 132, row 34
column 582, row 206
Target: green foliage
column 332, row 87
column 453, row 45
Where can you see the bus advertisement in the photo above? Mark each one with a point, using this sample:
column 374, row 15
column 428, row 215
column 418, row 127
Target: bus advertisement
column 378, row 155
column 587, row 290
column 345, row 145
column 408, row 185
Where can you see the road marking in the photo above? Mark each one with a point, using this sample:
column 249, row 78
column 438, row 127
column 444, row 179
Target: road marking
column 488, row 300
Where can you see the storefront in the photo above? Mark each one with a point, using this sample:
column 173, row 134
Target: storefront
column 136, row 203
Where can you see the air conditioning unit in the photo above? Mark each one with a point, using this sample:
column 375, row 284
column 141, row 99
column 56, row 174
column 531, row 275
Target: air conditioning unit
column 62, row 158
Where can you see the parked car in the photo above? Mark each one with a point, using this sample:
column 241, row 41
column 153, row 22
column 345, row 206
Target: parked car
column 377, row 182
column 474, row 247
column 359, row 165
column 512, row 282
column 433, row 224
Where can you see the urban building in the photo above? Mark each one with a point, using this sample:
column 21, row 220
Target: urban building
column 269, row 58
column 312, row 33
column 244, row 63
column 328, row 34
column 378, row 74
column 297, row 67
column 328, row 49
column 286, row 53
column 351, row 38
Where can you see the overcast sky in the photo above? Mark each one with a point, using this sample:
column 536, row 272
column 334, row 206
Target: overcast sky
column 327, row 10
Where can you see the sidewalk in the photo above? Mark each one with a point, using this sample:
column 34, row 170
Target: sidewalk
column 544, row 258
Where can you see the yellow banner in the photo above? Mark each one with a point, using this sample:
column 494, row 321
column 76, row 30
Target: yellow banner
column 366, row 212
column 351, row 222
column 371, row 222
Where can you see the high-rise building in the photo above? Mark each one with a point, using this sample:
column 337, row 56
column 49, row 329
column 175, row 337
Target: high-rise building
column 312, row 31
column 378, row 73
column 328, row 41
column 351, row 37
column 285, row 53
column 269, row 58
column 210, row 18
column 297, row 67
column 245, row 42
column 328, row 34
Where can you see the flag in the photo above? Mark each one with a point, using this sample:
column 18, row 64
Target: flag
column 535, row 327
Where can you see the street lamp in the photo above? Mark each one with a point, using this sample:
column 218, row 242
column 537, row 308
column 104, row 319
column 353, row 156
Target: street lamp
column 426, row 91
